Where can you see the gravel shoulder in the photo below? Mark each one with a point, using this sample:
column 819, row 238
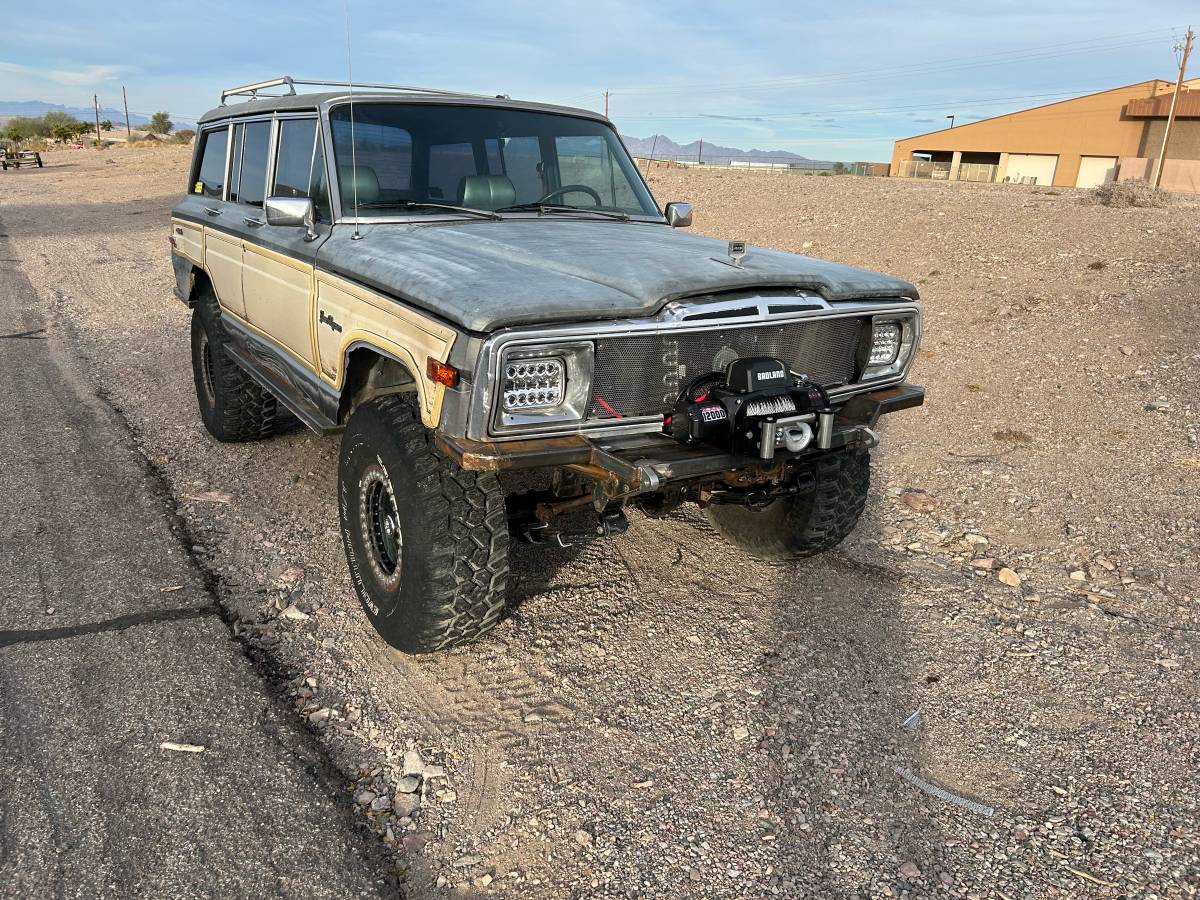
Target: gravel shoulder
column 662, row 715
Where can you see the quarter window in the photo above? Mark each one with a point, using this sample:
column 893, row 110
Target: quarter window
column 210, row 179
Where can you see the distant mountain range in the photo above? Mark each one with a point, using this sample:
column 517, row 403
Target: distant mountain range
column 665, row 148
column 662, row 146
column 9, row 108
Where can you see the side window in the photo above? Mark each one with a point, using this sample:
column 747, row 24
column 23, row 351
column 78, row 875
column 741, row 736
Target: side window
column 210, row 177
column 300, row 165
column 319, row 188
column 448, row 165
column 235, row 166
column 294, row 158
column 252, row 186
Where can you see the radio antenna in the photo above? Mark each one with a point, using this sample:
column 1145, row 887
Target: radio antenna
column 357, row 236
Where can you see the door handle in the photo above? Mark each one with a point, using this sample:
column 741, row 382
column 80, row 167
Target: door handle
column 212, row 210
column 254, row 222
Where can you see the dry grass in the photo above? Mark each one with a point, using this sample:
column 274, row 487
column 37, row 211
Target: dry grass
column 1129, row 193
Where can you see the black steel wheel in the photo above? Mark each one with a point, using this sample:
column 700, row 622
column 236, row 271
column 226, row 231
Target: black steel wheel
column 425, row 540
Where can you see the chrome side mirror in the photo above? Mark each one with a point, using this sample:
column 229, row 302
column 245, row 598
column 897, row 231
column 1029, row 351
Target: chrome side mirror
column 679, row 215
column 292, row 212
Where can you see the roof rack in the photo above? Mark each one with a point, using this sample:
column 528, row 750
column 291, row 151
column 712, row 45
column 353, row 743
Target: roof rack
column 252, row 90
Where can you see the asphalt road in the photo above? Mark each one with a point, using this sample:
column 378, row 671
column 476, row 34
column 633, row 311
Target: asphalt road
column 110, row 644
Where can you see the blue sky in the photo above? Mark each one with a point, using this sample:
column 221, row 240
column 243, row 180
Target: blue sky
column 830, row 81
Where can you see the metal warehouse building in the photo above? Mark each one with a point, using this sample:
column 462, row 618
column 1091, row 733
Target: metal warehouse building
column 1082, row 142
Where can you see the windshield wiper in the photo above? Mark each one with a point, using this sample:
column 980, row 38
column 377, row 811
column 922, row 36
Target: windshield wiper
column 421, row 204
column 543, row 208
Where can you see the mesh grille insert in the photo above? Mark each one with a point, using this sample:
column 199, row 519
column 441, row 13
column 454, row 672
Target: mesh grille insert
column 642, row 375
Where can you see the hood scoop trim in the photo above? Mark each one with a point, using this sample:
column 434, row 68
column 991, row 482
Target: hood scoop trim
column 753, row 306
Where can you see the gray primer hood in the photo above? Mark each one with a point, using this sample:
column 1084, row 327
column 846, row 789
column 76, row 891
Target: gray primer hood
column 486, row 275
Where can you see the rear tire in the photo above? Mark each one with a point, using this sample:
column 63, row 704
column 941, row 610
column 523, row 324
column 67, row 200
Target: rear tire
column 807, row 524
column 233, row 406
column 426, row 541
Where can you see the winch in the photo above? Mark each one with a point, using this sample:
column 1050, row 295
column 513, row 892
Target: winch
column 756, row 407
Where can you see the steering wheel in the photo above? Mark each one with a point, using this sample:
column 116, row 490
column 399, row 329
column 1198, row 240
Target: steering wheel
column 569, row 188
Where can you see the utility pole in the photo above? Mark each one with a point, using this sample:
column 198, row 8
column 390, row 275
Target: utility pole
column 700, row 153
column 96, row 105
column 951, row 118
column 606, row 104
column 1162, row 154
column 653, row 147
column 128, row 133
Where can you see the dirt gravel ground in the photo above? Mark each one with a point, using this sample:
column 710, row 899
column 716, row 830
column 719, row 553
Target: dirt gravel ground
column 664, row 716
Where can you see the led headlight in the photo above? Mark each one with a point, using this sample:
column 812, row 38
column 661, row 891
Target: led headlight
column 888, row 346
column 885, row 343
column 543, row 384
column 533, row 384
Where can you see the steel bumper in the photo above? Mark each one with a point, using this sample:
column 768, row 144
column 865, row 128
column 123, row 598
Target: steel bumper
column 644, row 462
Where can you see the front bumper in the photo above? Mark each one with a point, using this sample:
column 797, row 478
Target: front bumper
column 638, row 463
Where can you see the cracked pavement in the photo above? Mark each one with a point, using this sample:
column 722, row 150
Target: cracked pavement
column 111, row 644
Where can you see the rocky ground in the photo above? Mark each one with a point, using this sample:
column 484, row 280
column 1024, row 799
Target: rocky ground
column 662, row 715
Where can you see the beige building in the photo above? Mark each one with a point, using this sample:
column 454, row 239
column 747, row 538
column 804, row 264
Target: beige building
column 1082, row 142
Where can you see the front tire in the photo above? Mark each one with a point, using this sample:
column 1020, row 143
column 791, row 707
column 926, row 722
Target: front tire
column 233, row 406
column 426, row 541
column 806, row 524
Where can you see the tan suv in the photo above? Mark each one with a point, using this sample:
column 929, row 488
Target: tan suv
column 464, row 285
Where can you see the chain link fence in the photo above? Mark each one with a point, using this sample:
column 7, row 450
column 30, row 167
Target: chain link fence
column 777, row 167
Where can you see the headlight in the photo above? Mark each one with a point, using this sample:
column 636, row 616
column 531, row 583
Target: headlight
column 888, row 346
column 533, row 384
column 543, row 384
column 885, row 343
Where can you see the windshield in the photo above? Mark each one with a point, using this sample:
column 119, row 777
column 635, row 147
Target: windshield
column 484, row 158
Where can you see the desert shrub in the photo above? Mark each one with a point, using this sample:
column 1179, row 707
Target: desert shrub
column 183, row 136
column 136, row 136
column 160, row 123
column 1128, row 193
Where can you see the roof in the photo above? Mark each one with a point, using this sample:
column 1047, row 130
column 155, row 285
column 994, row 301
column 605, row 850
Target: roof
column 316, row 101
column 1016, row 112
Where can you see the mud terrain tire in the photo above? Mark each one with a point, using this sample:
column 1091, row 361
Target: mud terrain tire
column 233, row 407
column 426, row 541
column 807, row 524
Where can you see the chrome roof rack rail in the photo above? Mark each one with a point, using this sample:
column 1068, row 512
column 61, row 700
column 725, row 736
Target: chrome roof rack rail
column 252, row 90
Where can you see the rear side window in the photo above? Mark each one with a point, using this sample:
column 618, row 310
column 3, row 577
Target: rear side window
column 252, row 185
column 210, row 178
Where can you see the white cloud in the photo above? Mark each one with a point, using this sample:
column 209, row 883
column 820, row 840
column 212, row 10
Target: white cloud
column 84, row 77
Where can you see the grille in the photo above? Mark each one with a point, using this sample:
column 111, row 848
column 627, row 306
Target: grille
column 642, row 375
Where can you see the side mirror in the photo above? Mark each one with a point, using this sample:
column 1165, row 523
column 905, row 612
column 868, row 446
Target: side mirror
column 292, row 212
column 679, row 215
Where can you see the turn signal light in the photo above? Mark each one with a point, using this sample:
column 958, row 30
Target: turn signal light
column 443, row 373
